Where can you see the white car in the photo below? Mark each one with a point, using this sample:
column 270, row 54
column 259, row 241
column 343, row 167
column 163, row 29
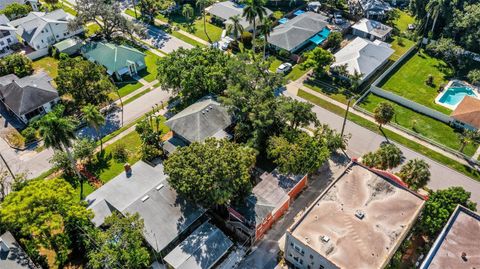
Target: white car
column 284, row 68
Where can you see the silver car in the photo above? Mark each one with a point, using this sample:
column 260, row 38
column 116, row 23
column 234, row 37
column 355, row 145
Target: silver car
column 284, row 68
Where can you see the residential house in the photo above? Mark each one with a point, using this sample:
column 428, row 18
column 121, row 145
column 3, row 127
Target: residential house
column 467, row 113
column 119, row 60
column 223, row 11
column 458, row 245
column 7, row 36
column 33, row 3
column 12, row 256
column 370, row 9
column 362, row 56
column 200, row 250
column 167, row 216
column 28, row 97
column 306, row 29
column 371, row 29
column 201, row 120
column 359, row 221
column 267, row 203
column 41, row 30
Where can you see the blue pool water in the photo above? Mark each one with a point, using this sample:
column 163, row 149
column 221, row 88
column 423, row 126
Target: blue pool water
column 455, row 94
column 282, row 20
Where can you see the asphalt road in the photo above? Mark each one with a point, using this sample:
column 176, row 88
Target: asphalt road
column 364, row 140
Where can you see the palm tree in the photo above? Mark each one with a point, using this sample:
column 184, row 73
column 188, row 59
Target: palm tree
column 355, row 79
column 265, row 30
column 252, row 10
column 468, row 137
column 202, row 4
column 58, row 132
column 435, row 7
column 415, row 173
column 188, row 12
column 94, row 119
column 235, row 28
column 383, row 113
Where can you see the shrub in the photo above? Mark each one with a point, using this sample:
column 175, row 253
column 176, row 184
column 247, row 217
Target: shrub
column 400, row 41
column 284, row 53
column 30, row 134
column 429, row 80
column 15, row 139
column 474, row 76
column 120, row 153
column 150, row 152
column 246, row 39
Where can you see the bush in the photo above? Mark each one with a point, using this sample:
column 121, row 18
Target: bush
column 429, row 80
column 400, row 41
column 246, row 38
column 150, row 152
column 30, row 134
column 474, row 76
column 120, row 153
column 15, row 139
column 284, row 53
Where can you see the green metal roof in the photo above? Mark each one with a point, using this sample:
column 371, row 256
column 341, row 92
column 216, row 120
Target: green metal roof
column 113, row 57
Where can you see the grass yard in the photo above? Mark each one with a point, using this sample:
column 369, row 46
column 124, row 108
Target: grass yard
column 151, row 63
column 47, row 64
column 296, row 73
column 274, row 65
column 464, row 169
column 196, row 28
column 420, row 124
column 409, row 80
column 92, row 29
column 125, row 88
column 136, row 96
column 401, row 48
column 187, row 39
column 403, row 20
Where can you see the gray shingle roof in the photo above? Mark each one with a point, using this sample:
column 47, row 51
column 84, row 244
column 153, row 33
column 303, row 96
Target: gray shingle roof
column 201, row 250
column 227, row 9
column 203, row 119
column 297, row 30
column 12, row 255
column 30, row 26
column 146, row 192
column 23, row 95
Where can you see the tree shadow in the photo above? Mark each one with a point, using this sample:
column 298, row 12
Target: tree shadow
column 100, row 163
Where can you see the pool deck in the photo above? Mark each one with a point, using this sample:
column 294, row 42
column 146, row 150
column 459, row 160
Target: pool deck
column 476, row 91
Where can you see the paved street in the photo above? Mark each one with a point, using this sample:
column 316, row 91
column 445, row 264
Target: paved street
column 364, row 140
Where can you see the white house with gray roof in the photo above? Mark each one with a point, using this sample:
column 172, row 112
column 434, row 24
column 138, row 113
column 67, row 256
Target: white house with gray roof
column 29, row 96
column 363, row 56
column 7, row 36
column 298, row 32
column 41, row 30
column 223, row 11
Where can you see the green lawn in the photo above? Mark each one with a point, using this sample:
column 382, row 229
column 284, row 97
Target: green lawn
column 66, row 6
column 401, row 48
column 196, row 29
column 136, row 96
column 47, row 64
column 92, row 29
column 125, row 88
column 403, row 20
column 187, row 39
column 151, row 62
column 464, row 169
column 420, row 124
column 296, row 73
column 409, row 80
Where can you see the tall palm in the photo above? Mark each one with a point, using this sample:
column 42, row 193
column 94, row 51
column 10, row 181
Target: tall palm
column 58, row 132
column 468, row 137
column 94, row 119
column 252, row 10
column 265, row 30
column 415, row 173
column 435, row 7
column 202, row 4
column 188, row 12
column 235, row 28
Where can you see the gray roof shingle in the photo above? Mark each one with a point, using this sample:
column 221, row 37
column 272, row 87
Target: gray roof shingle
column 12, row 255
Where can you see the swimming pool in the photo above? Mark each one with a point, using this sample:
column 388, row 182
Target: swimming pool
column 455, row 93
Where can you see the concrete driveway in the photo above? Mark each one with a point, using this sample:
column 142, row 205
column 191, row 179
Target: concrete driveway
column 163, row 41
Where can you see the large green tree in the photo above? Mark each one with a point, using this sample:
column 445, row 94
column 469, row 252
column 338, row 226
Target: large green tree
column 46, row 213
column 388, row 156
column 17, row 64
column 383, row 113
column 440, row 205
column 295, row 114
column 194, row 73
column 415, row 173
column 468, row 137
column 319, row 59
column 84, row 81
column 151, row 8
column 211, row 173
column 202, row 4
column 120, row 245
column 16, row 10
column 265, row 29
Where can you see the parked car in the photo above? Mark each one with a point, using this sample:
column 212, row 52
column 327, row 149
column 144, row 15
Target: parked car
column 284, row 68
column 337, row 18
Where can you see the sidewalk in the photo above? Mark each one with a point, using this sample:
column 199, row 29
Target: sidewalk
column 294, row 86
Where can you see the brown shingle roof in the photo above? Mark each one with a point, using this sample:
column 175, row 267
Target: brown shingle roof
column 468, row 111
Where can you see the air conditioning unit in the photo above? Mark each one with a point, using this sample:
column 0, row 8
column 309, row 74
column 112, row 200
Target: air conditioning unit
column 359, row 214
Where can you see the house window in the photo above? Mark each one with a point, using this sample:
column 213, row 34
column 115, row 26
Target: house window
column 2, row 43
column 42, row 31
column 321, row 267
column 309, row 267
column 42, row 40
column 9, row 40
column 298, row 249
column 64, row 34
column 57, row 36
column 38, row 47
column 311, row 256
column 46, row 30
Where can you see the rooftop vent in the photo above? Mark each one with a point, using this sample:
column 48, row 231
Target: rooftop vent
column 359, row 214
column 325, row 239
column 159, row 187
column 145, row 198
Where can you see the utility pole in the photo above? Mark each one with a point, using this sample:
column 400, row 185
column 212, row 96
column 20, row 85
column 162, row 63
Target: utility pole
column 8, row 167
column 346, row 115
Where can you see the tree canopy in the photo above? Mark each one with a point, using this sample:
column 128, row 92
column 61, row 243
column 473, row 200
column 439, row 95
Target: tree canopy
column 86, row 82
column 46, row 213
column 383, row 113
column 211, row 173
column 388, row 156
column 319, row 59
column 415, row 173
column 17, row 64
column 440, row 205
column 16, row 10
column 120, row 245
